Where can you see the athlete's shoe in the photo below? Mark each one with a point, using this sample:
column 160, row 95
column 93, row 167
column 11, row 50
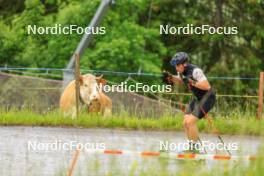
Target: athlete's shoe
column 191, row 149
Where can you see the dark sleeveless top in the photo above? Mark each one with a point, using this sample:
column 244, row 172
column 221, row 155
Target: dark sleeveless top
column 188, row 72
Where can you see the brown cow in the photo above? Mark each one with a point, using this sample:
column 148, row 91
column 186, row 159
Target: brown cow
column 101, row 105
column 89, row 91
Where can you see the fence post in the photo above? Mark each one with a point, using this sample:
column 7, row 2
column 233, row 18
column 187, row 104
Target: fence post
column 77, row 82
column 260, row 95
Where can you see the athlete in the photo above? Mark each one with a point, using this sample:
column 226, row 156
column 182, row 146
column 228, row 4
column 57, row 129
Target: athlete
column 204, row 97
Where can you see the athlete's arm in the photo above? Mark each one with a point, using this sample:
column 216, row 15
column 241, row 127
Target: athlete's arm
column 176, row 80
column 201, row 80
column 204, row 85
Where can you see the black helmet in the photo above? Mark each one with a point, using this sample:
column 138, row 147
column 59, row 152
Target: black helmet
column 179, row 58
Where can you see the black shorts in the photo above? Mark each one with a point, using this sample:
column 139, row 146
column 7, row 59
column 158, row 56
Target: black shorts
column 200, row 108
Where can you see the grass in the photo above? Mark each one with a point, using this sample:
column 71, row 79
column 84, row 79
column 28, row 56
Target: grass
column 165, row 167
column 226, row 125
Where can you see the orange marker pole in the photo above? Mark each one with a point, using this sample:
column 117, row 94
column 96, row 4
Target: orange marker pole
column 74, row 160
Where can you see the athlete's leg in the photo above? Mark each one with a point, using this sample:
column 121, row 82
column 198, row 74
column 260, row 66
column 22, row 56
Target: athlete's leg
column 190, row 126
column 199, row 110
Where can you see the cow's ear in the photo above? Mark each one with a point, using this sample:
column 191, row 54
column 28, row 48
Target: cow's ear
column 99, row 77
column 81, row 80
column 101, row 81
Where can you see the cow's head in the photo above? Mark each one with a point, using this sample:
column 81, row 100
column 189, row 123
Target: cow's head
column 90, row 87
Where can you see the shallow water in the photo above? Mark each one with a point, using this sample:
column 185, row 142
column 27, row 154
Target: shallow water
column 17, row 158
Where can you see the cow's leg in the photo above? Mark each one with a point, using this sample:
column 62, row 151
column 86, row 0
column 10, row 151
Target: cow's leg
column 66, row 113
column 74, row 111
column 107, row 112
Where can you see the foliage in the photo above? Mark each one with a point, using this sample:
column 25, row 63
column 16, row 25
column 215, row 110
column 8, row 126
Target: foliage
column 132, row 42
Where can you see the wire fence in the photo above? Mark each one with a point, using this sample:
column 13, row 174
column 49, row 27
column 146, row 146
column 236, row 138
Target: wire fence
column 140, row 101
column 116, row 73
column 25, row 92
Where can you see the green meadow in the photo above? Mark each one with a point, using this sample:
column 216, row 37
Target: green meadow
column 245, row 125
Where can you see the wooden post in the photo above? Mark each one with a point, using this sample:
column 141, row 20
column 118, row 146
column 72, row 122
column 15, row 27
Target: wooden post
column 74, row 160
column 77, row 82
column 260, row 95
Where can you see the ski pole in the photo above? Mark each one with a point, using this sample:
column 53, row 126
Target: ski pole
column 214, row 129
